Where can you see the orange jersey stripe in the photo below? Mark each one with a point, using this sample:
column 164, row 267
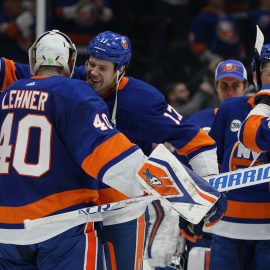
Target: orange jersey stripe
column 206, row 197
column 158, row 221
column 46, row 206
column 123, row 83
column 10, row 73
column 250, row 131
column 109, row 195
column 207, row 260
column 248, row 210
column 140, row 243
column 91, row 247
column 106, row 152
column 112, row 256
column 251, row 101
column 202, row 139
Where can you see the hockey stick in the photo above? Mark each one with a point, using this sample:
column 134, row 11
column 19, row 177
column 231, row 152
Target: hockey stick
column 257, row 52
column 222, row 182
column 29, row 224
column 241, row 178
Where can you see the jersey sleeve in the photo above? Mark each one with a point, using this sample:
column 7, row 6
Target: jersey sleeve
column 255, row 130
column 11, row 72
column 102, row 151
column 160, row 122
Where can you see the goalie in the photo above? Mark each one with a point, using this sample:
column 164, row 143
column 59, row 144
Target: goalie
column 72, row 135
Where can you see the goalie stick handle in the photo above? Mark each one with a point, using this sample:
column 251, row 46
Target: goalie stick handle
column 87, row 212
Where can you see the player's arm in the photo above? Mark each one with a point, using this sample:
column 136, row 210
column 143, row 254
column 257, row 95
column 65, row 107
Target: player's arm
column 160, row 122
column 255, row 132
column 105, row 153
column 102, row 151
column 11, row 72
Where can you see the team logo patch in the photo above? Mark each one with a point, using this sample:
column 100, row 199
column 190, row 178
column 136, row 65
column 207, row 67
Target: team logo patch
column 158, row 179
column 229, row 67
column 152, row 178
column 124, row 43
column 235, row 125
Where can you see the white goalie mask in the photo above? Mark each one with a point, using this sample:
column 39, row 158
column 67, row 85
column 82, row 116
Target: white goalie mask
column 53, row 48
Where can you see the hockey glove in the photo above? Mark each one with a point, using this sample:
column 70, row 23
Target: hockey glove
column 190, row 231
column 194, row 232
column 263, row 96
column 216, row 212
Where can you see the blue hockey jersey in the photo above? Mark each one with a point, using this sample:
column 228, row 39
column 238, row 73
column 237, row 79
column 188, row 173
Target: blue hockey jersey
column 204, row 118
column 254, row 132
column 145, row 118
column 143, row 114
column 248, row 212
column 70, row 134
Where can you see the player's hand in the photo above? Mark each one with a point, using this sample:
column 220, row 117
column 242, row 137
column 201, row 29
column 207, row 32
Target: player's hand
column 194, row 232
column 216, row 212
column 190, row 231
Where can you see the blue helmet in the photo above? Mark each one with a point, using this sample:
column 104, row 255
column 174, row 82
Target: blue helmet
column 112, row 47
column 265, row 56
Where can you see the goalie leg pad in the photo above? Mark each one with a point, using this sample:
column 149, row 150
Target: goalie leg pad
column 162, row 235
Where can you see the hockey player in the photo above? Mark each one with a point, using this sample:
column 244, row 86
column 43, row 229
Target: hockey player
column 53, row 130
column 229, row 83
column 254, row 130
column 142, row 114
column 241, row 237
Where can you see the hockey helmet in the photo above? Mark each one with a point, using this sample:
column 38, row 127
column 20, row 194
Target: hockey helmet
column 112, row 47
column 265, row 56
column 52, row 48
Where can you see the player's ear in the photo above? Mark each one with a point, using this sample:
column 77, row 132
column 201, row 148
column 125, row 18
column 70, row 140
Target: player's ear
column 245, row 84
column 122, row 69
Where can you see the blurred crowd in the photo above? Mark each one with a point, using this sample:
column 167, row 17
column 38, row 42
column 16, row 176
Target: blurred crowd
column 176, row 43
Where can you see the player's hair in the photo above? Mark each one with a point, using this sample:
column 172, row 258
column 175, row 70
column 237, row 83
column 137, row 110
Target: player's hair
column 53, row 48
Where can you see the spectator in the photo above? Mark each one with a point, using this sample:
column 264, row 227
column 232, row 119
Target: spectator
column 169, row 41
column 81, row 19
column 214, row 33
column 179, row 97
column 261, row 17
column 16, row 28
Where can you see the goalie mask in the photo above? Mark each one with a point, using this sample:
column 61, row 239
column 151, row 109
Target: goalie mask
column 53, row 48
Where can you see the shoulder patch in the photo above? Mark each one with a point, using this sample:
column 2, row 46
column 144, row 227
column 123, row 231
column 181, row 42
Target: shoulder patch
column 235, row 125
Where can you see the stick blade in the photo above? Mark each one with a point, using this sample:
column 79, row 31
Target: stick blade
column 259, row 40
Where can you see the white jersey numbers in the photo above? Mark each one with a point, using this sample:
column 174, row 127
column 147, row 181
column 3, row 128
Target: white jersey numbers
column 5, row 147
column 173, row 114
column 102, row 122
column 21, row 144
